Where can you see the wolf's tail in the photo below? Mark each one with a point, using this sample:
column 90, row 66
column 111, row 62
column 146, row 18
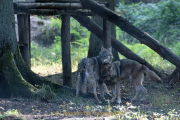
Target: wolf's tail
column 83, row 82
column 152, row 75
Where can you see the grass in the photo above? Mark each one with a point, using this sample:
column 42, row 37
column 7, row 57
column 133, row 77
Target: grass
column 48, row 61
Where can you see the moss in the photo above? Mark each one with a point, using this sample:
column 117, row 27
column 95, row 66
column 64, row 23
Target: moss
column 11, row 81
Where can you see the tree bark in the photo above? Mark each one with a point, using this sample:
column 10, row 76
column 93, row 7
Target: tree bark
column 126, row 26
column 98, row 31
column 173, row 78
column 24, row 37
column 113, row 30
column 94, row 42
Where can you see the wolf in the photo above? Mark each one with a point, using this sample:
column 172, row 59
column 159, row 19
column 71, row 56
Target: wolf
column 126, row 69
column 89, row 71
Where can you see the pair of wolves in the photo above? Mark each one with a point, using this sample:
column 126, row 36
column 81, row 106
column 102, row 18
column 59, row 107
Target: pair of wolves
column 89, row 71
column 100, row 70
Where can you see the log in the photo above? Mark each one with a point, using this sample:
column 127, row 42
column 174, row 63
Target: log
column 97, row 30
column 53, row 12
column 24, row 1
column 126, row 26
column 24, row 37
column 65, row 1
column 60, row 1
column 47, row 6
column 66, row 53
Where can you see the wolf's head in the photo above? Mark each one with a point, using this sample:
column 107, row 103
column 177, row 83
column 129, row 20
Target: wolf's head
column 108, row 71
column 105, row 55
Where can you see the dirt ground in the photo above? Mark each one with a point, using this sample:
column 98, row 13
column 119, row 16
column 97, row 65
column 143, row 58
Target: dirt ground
column 65, row 105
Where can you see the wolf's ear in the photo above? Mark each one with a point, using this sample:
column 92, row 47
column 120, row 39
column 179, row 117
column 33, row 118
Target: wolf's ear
column 102, row 48
column 110, row 49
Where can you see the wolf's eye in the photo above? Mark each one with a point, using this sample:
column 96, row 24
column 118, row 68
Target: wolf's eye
column 105, row 56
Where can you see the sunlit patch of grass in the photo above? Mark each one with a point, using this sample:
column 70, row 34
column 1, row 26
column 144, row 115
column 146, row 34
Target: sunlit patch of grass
column 12, row 112
column 44, row 70
column 48, row 61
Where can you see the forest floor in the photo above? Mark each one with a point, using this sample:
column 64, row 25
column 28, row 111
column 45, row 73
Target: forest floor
column 162, row 103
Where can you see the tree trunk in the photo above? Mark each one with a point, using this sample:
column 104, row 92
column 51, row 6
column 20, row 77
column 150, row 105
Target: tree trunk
column 133, row 31
column 174, row 77
column 16, row 79
column 113, row 31
column 95, row 43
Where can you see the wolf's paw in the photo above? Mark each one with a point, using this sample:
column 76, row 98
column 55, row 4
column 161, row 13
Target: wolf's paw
column 119, row 102
column 103, row 99
column 112, row 100
column 133, row 100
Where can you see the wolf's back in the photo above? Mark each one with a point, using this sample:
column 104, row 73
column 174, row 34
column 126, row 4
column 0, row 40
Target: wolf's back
column 152, row 75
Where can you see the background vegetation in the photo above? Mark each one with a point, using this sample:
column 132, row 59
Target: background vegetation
column 160, row 20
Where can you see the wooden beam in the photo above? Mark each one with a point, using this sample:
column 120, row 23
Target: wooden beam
column 65, row 45
column 47, row 6
column 98, row 31
column 59, row 1
column 53, row 12
column 65, row 1
column 24, row 37
column 126, row 26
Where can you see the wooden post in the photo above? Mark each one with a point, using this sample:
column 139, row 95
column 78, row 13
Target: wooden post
column 65, row 45
column 24, row 37
column 106, row 33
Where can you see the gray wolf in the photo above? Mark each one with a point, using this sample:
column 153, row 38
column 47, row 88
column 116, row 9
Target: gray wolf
column 126, row 69
column 89, row 71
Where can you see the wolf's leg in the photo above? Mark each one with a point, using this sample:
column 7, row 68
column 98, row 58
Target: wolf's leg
column 107, row 92
column 101, row 92
column 94, row 90
column 114, row 93
column 143, row 90
column 78, row 85
column 92, row 80
column 137, row 92
column 118, row 92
